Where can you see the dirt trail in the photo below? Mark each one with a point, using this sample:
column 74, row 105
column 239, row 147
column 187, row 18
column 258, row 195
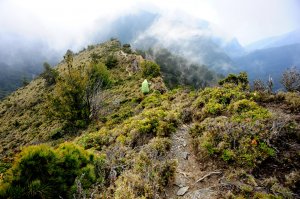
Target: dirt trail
column 189, row 170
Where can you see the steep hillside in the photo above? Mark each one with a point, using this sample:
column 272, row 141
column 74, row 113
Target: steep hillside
column 23, row 114
column 217, row 142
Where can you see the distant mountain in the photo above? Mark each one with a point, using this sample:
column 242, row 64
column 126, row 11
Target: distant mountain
column 192, row 38
column 21, row 58
column 195, row 41
column 270, row 61
column 126, row 28
column 282, row 40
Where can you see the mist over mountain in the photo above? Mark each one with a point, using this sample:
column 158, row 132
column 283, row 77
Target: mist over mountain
column 281, row 40
column 194, row 39
column 22, row 59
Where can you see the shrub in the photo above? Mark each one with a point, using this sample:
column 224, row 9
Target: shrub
column 258, row 85
column 248, row 110
column 291, row 79
column 44, row 172
column 76, row 94
column 127, row 48
column 50, row 75
column 293, row 101
column 242, row 144
column 241, row 79
column 214, row 101
column 111, row 61
column 150, row 174
column 150, row 69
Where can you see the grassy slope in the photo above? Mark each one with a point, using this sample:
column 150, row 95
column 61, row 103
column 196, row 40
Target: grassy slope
column 132, row 130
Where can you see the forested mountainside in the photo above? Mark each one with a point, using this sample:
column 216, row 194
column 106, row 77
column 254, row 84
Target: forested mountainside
column 84, row 129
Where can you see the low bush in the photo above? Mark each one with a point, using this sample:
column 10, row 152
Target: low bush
column 150, row 69
column 239, row 80
column 293, row 101
column 111, row 61
column 150, row 174
column 243, row 144
column 44, row 172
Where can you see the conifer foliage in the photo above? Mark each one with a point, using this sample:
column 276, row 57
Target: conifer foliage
column 74, row 96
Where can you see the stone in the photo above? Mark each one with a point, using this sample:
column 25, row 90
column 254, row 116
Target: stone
column 185, row 155
column 201, row 193
column 182, row 191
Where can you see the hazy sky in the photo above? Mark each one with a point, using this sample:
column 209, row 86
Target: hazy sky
column 62, row 22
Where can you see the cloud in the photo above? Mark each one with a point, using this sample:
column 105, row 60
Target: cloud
column 60, row 25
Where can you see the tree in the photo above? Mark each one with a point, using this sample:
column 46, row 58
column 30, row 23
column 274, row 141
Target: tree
column 270, row 84
column 291, row 79
column 50, row 75
column 258, row 85
column 25, row 81
column 68, row 58
column 76, row 94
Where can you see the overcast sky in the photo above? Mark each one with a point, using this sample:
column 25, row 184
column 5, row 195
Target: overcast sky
column 61, row 22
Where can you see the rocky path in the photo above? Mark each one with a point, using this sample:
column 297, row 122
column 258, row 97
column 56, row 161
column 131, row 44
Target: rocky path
column 189, row 171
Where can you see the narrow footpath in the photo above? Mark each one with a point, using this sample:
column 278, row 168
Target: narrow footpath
column 193, row 180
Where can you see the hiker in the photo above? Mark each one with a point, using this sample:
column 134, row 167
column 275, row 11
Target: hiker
column 145, row 87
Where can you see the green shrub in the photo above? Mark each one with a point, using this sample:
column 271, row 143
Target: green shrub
column 111, row 61
column 248, row 110
column 242, row 144
column 50, row 75
column 238, row 80
column 293, row 101
column 150, row 69
column 215, row 101
column 44, row 172
column 127, row 48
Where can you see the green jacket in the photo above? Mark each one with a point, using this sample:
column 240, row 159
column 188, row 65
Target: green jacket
column 145, row 87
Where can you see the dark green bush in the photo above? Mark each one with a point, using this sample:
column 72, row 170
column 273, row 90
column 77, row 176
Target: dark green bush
column 44, row 172
column 150, row 69
column 73, row 99
column 127, row 48
column 241, row 79
column 111, row 61
column 50, row 75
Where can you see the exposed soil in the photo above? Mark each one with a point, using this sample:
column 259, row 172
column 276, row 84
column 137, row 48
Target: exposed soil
column 189, row 170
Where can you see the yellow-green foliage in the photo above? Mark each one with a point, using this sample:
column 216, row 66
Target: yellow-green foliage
column 238, row 80
column 241, row 136
column 238, row 143
column 150, row 172
column 150, row 69
column 43, row 172
column 214, row 101
column 135, row 131
column 293, row 101
column 248, row 110
column 261, row 195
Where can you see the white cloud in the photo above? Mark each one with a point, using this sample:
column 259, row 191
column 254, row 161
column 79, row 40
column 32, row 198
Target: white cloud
column 71, row 23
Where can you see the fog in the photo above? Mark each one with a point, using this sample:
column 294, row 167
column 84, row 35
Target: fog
column 34, row 31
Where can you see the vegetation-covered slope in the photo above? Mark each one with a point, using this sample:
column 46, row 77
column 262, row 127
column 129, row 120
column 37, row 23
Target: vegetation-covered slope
column 115, row 142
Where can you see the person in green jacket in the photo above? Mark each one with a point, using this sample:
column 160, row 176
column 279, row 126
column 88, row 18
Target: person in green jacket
column 145, row 87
